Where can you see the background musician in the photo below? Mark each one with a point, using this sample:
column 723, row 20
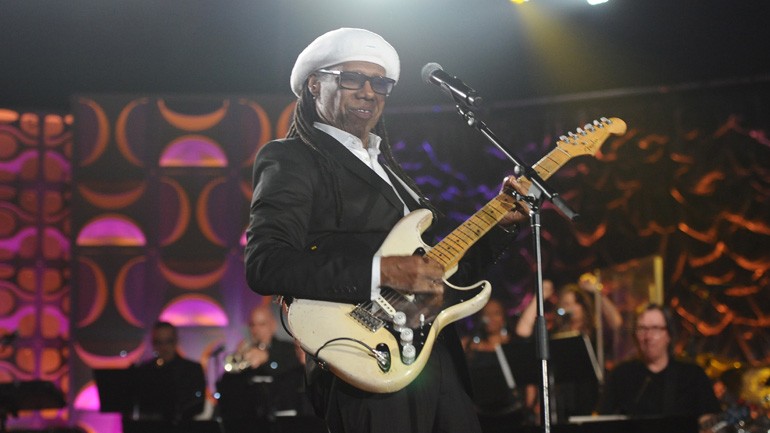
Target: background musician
column 171, row 387
column 657, row 384
column 573, row 312
column 495, row 393
column 264, row 377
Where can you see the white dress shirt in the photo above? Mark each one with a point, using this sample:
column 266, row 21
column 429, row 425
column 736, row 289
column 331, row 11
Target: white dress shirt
column 369, row 157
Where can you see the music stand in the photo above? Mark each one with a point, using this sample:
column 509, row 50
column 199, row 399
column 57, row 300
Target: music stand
column 523, row 361
column 117, row 390
column 572, row 363
column 28, row 395
column 573, row 358
column 576, row 375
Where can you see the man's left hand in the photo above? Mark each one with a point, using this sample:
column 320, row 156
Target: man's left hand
column 520, row 213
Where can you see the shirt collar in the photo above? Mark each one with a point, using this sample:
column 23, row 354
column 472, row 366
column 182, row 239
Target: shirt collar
column 349, row 140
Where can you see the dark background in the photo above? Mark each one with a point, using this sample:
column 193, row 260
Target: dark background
column 51, row 50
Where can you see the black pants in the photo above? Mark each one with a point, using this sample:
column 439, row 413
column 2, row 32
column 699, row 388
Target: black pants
column 434, row 402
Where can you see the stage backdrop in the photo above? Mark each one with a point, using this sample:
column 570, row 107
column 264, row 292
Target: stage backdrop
column 160, row 204
column 35, row 179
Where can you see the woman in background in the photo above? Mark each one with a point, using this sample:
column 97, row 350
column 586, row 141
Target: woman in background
column 496, row 396
column 575, row 314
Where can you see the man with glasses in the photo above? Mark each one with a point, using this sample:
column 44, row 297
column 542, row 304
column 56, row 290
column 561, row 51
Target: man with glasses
column 657, row 384
column 171, row 387
column 324, row 200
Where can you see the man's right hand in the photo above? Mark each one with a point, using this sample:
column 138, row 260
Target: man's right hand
column 412, row 275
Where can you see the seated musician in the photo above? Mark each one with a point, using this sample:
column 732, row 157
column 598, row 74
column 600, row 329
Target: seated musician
column 171, row 388
column 263, row 377
column 657, row 384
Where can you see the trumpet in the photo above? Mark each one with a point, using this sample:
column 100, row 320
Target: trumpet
column 238, row 361
column 234, row 363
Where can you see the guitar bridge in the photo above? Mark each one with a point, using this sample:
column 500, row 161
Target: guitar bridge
column 366, row 318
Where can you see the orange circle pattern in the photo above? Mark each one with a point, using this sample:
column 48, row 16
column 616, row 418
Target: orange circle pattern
column 35, row 287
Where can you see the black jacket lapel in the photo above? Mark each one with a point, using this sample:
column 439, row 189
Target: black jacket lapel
column 357, row 167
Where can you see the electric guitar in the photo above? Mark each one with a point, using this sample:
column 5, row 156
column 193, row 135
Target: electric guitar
column 382, row 345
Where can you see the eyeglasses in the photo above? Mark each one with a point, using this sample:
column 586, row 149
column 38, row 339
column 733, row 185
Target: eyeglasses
column 355, row 81
column 649, row 329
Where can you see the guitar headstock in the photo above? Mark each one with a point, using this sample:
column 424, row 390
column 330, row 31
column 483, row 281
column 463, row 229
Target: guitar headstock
column 588, row 139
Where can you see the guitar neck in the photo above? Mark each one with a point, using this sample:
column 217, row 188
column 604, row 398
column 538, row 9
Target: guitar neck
column 547, row 166
column 452, row 248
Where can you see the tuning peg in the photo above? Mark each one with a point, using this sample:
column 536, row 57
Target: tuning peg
column 563, row 138
column 606, row 120
column 588, row 127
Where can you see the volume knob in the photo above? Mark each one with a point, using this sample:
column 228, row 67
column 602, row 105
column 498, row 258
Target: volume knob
column 408, row 353
column 407, row 336
column 399, row 321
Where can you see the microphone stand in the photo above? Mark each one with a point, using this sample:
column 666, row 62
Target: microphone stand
column 539, row 192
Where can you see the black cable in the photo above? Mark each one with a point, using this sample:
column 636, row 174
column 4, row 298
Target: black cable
column 372, row 350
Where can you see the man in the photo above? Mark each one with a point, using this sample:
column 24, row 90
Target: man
column 656, row 384
column 171, row 388
column 261, row 352
column 264, row 377
column 322, row 205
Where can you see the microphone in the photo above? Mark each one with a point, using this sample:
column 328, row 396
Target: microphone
column 562, row 320
column 432, row 73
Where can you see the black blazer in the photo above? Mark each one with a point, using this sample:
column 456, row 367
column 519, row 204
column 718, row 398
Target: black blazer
column 295, row 247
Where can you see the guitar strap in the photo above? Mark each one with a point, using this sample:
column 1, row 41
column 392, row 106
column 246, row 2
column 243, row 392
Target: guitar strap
column 404, row 192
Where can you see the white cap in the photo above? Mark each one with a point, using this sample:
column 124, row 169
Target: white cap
column 344, row 45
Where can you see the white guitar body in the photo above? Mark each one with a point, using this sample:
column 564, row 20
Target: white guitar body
column 320, row 322
column 361, row 344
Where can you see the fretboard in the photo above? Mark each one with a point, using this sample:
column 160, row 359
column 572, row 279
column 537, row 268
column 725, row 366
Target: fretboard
column 452, row 248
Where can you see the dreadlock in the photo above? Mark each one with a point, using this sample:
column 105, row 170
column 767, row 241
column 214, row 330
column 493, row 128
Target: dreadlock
column 302, row 126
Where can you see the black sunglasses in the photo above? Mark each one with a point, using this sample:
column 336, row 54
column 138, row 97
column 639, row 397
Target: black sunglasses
column 355, row 81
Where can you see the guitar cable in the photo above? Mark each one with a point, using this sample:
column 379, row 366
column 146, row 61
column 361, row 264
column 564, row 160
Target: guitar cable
column 379, row 356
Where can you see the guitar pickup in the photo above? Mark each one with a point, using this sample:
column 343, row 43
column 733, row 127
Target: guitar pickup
column 366, row 318
column 385, row 305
